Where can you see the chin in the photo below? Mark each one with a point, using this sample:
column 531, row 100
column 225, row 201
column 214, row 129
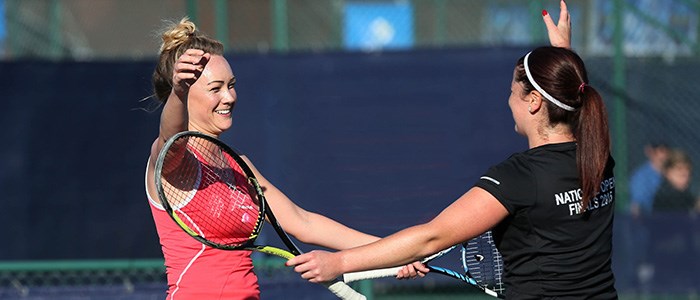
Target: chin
column 224, row 128
column 226, row 125
column 517, row 130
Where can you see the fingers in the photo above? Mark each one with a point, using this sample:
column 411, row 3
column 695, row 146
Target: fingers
column 183, row 74
column 564, row 25
column 192, row 60
column 314, row 266
column 194, row 57
column 181, row 66
column 406, row 272
column 307, row 272
column 188, row 68
column 564, row 13
column 303, row 267
column 297, row 260
column 420, row 267
column 560, row 33
column 548, row 21
column 413, row 270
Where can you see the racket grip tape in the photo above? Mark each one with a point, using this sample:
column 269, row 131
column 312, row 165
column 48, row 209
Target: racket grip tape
column 371, row 274
column 343, row 291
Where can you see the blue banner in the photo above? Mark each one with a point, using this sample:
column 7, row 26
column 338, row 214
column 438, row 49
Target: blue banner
column 376, row 26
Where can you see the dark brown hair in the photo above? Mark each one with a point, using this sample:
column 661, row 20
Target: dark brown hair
column 562, row 74
column 176, row 39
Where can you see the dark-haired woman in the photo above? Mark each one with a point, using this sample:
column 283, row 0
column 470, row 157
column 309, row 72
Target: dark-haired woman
column 550, row 207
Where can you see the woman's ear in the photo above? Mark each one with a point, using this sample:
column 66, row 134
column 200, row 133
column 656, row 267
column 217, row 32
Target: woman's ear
column 535, row 101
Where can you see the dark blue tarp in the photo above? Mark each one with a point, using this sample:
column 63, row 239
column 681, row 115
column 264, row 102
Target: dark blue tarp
column 376, row 141
column 379, row 141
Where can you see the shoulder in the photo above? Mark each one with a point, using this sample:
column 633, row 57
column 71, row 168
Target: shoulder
column 155, row 150
column 516, row 165
column 512, row 173
column 511, row 181
column 644, row 174
column 642, row 170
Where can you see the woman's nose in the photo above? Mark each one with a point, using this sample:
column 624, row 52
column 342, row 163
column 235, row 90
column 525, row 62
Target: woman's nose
column 230, row 96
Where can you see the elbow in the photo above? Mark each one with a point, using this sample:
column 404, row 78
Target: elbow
column 434, row 241
column 299, row 226
column 304, row 237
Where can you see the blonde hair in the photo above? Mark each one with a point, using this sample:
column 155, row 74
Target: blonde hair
column 177, row 38
column 675, row 158
column 177, row 34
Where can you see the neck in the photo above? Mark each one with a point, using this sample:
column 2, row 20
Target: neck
column 550, row 135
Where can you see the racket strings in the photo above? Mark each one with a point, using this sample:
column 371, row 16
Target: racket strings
column 481, row 260
column 220, row 206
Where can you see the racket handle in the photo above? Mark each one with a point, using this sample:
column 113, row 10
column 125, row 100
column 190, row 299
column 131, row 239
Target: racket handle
column 371, row 274
column 343, row 291
column 387, row 272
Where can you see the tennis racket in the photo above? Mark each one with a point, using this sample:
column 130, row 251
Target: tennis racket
column 480, row 260
column 210, row 192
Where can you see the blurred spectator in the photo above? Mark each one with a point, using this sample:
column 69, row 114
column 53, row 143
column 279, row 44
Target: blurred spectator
column 644, row 183
column 673, row 234
column 646, row 179
column 674, row 193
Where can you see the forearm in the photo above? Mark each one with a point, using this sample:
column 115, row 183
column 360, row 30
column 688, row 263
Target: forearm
column 323, row 231
column 174, row 117
column 186, row 70
column 406, row 246
column 472, row 214
column 309, row 227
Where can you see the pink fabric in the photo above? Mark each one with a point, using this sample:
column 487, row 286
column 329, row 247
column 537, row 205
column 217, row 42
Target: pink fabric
column 196, row 271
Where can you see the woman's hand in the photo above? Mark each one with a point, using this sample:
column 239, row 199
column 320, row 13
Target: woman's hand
column 187, row 69
column 416, row 269
column 317, row 266
column 559, row 34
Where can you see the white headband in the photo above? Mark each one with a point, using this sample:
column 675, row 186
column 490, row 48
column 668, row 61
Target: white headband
column 541, row 90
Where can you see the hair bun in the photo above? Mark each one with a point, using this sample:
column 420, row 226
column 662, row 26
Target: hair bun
column 177, row 34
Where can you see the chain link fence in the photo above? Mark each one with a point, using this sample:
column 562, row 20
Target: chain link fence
column 137, row 279
column 106, row 29
column 72, row 279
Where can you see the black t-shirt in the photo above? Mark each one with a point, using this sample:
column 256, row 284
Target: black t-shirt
column 668, row 198
column 551, row 248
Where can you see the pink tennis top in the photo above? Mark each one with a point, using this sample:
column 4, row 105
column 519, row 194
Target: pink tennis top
column 196, row 271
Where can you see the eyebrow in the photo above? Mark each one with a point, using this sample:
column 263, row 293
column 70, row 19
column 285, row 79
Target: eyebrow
column 233, row 79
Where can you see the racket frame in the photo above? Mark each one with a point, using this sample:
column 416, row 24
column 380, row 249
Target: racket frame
column 393, row 271
column 339, row 288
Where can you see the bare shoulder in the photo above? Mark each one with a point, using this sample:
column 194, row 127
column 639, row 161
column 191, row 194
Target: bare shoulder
column 155, row 149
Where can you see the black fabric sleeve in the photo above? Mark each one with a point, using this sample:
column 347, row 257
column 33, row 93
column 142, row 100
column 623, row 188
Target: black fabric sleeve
column 511, row 182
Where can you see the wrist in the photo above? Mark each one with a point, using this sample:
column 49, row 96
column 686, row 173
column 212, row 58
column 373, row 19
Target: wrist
column 179, row 94
column 343, row 263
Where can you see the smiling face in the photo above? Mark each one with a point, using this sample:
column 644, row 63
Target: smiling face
column 212, row 97
column 679, row 176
